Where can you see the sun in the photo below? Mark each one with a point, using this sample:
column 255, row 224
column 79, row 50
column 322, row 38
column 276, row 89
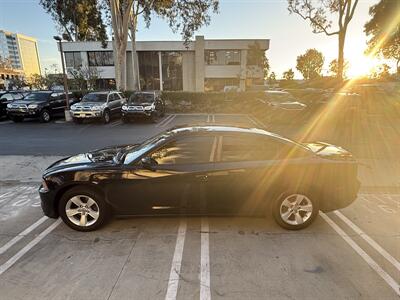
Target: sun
column 362, row 65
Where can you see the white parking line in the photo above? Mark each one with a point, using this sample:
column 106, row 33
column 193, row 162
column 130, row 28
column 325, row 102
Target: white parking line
column 116, row 123
column 173, row 281
column 169, row 120
column 205, row 291
column 369, row 240
column 165, row 121
column 385, row 276
column 22, row 235
column 4, row 267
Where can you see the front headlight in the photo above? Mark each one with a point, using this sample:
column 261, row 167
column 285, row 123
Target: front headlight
column 32, row 106
column 9, row 105
column 73, row 107
column 150, row 107
column 124, row 107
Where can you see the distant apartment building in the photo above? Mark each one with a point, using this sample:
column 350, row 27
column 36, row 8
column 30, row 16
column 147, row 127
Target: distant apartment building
column 200, row 65
column 21, row 53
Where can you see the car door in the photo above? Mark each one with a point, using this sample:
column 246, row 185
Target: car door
column 174, row 185
column 54, row 103
column 114, row 102
column 244, row 169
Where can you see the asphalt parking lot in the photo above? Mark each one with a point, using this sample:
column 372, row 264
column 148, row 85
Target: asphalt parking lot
column 353, row 253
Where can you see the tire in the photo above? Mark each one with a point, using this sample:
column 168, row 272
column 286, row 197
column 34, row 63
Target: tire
column 106, row 117
column 154, row 117
column 295, row 210
column 78, row 121
column 17, row 119
column 76, row 200
column 45, row 116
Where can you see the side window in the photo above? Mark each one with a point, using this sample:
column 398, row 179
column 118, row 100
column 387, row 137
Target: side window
column 112, row 97
column 54, row 96
column 248, row 148
column 186, row 150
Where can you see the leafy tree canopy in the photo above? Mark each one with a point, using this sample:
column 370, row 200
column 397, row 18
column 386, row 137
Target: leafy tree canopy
column 384, row 30
column 310, row 64
column 77, row 20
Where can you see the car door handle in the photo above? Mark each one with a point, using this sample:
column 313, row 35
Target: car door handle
column 202, row 177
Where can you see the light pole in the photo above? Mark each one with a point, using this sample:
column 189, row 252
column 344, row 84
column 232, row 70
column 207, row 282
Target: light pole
column 67, row 114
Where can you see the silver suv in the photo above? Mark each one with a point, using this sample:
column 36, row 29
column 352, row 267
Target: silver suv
column 98, row 105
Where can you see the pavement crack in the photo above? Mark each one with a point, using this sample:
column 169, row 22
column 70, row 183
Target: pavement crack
column 124, row 265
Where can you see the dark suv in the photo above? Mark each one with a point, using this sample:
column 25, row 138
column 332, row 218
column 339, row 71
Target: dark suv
column 6, row 97
column 143, row 104
column 40, row 104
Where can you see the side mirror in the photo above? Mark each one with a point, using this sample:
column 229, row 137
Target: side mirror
column 149, row 163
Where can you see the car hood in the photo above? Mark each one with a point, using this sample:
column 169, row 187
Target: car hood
column 96, row 158
column 27, row 102
column 330, row 151
column 90, row 104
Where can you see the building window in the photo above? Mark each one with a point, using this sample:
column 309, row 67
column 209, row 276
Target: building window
column 218, row 84
column 73, row 59
column 100, row 58
column 149, row 71
column 222, row 57
column 172, row 71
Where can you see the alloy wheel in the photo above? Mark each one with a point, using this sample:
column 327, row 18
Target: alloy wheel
column 82, row 210
column 296, row 209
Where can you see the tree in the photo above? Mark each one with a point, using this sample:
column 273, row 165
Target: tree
column 256, row 57
column 316, row 14
column 38, row 82
column 384, row 31
column 186, row 16
column 310, row 64
column 272, row 78
column 381, row 72
column 333, row 67
column 84, row 77
column 288, row 75
column 77, row 20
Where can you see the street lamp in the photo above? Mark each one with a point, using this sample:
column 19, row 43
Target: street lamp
column 67, row 114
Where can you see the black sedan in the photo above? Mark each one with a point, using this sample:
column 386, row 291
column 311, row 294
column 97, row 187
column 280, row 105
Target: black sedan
column 202, row 170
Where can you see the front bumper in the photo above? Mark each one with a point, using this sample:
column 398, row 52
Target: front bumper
column 341, row 197
column 86, row 114
column 48, row 203
column 137, row 113
column 29, row 113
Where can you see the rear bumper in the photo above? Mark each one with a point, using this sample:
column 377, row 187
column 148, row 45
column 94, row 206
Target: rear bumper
column 47, row 202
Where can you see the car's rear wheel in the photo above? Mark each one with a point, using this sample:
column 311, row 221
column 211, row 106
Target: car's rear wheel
column 295, row 210
column 83, row 209
column 45, row 116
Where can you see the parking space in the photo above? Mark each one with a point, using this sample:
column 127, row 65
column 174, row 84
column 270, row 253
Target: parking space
column 186, row 258
column 349, row 254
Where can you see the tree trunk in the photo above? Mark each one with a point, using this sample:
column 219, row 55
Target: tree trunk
column 342, row 36
column 135, row 62
column 120, row 66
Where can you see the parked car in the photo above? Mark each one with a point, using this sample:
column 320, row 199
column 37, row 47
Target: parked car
column 39, row 104
column 283, row 100
column 202, row 170
column 98, row 105
column 143, row 104
column 6, row 97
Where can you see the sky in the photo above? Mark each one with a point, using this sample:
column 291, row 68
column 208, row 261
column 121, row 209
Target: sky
column 289, row 35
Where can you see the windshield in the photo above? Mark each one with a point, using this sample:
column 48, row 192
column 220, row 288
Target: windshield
column 37, row 96
column 141, row 98
column 134, row 153
column 95, row 98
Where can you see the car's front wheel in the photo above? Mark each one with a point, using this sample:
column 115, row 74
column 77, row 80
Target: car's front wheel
column 106, row 117
column 83, row 209
column 45, row 116
column 296, row 210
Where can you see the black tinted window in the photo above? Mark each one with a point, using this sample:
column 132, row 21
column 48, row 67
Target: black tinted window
column 38, row 96
column 141, row 98
column 249, row 148
column 187, row 150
